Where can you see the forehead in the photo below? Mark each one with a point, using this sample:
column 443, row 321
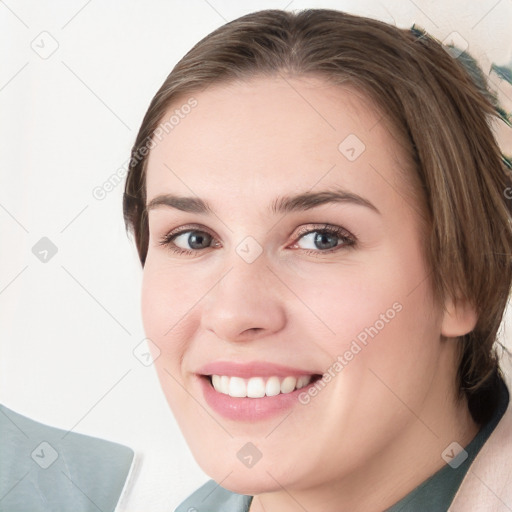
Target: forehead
column 274, row 135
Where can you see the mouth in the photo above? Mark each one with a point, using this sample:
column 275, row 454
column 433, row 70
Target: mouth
column 259, row 386
column 255, row 390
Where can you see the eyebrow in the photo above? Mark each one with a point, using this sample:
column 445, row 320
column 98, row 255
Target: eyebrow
column 280, row 205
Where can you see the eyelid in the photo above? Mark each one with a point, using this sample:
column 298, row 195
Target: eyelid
column 188, row 227
column 324, row 227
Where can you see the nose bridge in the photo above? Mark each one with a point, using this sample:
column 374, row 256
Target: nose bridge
column 246, row 297
column 247, row 265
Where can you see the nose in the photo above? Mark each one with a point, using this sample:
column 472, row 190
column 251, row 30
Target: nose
column 247, row 303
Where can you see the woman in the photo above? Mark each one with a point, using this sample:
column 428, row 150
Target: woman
column 318, row 205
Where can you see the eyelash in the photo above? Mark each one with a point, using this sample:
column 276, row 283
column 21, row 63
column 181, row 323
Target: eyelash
column 348, row 240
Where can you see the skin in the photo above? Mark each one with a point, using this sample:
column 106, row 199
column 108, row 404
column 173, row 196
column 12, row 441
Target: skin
column 384, row 420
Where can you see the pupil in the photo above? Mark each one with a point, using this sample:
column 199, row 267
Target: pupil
column 196, row 239
column 321, row 238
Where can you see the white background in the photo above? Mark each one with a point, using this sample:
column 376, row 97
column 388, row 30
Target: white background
column 69, row 326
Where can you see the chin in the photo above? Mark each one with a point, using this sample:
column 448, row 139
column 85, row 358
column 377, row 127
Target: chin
column 247, row 483
column 262, row 477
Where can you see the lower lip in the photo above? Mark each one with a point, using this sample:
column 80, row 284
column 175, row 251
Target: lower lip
column 249, row 409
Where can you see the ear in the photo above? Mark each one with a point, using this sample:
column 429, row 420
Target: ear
column 460, row 317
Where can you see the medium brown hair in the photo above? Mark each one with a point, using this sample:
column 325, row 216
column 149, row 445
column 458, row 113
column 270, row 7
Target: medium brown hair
column 433, row 104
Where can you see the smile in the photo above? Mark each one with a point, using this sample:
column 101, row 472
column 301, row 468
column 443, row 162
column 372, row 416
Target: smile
column 253, row 390
column 258, row 387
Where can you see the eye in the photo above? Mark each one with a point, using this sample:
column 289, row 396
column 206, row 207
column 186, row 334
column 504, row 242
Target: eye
column 194, row 238
column 324, row 238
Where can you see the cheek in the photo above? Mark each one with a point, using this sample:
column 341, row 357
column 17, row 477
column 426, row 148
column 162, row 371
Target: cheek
column 155, row 301
column 167, row 304
column 168, row 297
column 386, row 335
column 388, row 291
column 389, row 329
column 383, row 319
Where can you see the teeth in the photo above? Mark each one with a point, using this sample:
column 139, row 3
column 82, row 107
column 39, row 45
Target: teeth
column 288, row 384
column 273, row 386
column 257, row 387
column 237, row 387
column 224, row 384
column 303, row 381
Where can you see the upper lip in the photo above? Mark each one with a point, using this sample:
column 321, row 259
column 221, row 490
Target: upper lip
column 251, row 369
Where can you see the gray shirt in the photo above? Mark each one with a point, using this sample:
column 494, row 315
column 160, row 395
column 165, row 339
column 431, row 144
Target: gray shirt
column 46, row 469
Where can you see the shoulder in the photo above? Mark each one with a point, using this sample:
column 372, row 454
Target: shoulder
column 43, row 467
column 487, row 485
column 211, row 497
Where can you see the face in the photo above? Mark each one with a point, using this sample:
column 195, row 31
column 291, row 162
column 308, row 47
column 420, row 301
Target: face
column 295, row 274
